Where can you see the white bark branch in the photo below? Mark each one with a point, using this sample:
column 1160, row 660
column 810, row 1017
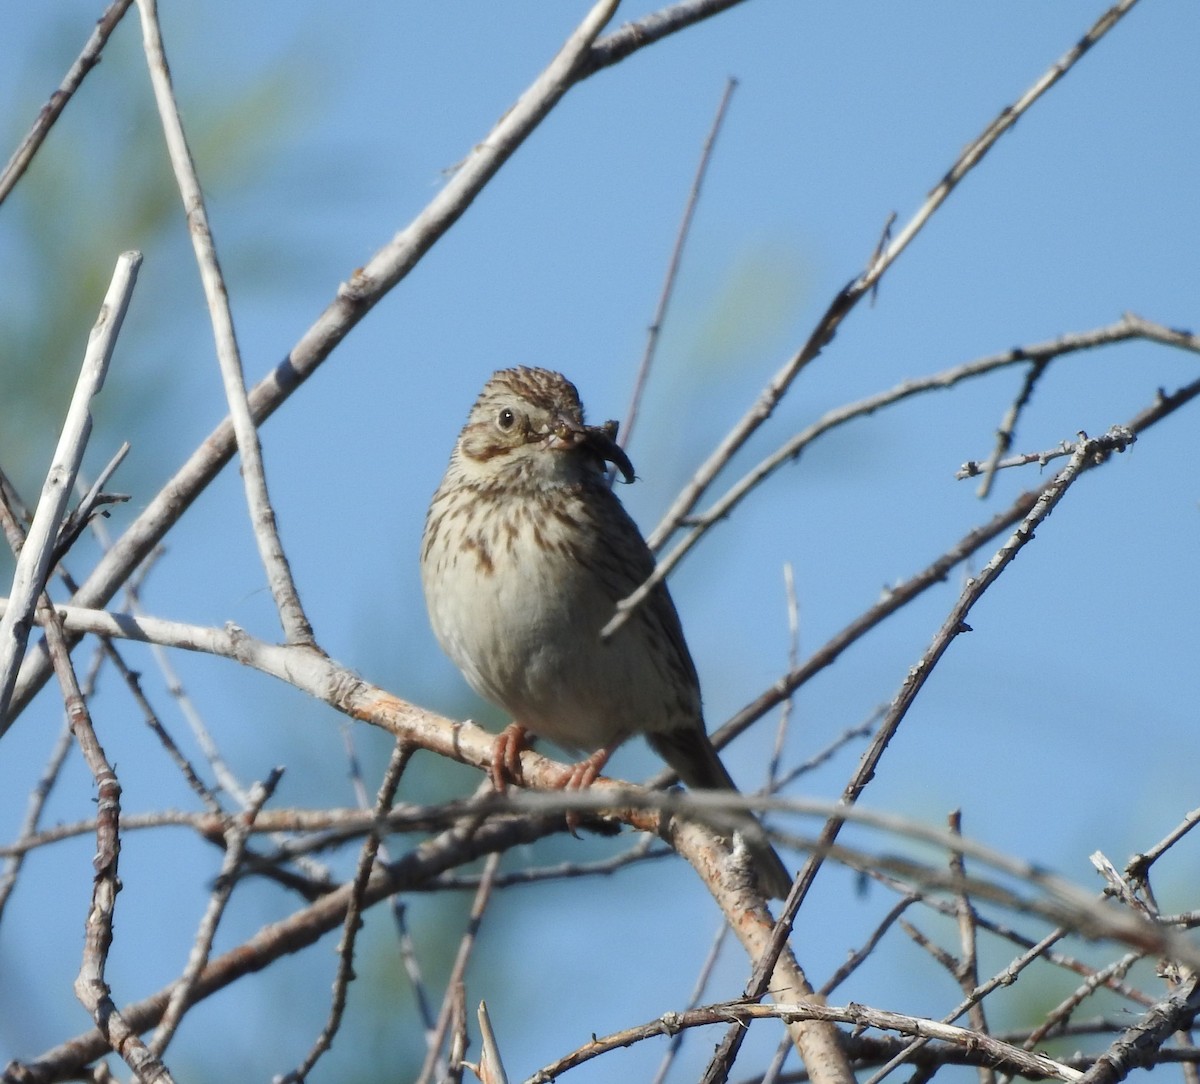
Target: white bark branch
column 33, row 563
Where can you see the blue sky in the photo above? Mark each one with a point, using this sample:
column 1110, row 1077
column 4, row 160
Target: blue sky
column 1063, row 724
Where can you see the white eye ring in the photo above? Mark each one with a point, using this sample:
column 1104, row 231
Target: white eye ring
column 506, row 419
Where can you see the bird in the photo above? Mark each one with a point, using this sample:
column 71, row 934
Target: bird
column 526, row 552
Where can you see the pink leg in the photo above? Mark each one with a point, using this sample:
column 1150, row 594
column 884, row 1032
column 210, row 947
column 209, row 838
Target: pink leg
column 583, row 774
column 506, row 756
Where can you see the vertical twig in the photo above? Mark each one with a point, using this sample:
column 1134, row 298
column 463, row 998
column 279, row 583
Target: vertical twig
column 408, row 950
column 701, row 984
column 459, row 1039
column 793, row 660
column 668, row 286
column 402, row 752
column 483, row 895
column 90, row 985
column 1008, row 425
column 296, row 627
column 33, row 565
column 33, row 811
column 967, row 971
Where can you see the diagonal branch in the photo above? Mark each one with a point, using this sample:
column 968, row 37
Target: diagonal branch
column 845, row 301
column 367, row 286
column 1139, row 1046
column 33, row 564
column 49, row 113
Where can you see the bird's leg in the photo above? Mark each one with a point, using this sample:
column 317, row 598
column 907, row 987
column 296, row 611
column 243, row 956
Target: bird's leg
column 581, row 775
column 506, row 756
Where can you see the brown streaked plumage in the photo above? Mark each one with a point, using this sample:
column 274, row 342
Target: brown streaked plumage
column 526, row 553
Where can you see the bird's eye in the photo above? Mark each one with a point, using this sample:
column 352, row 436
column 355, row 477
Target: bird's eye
column 506, row 419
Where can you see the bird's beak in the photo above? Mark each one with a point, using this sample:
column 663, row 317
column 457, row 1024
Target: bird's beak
column 598, row 440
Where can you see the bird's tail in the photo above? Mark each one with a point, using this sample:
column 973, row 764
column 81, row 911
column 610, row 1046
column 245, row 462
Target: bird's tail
column 690, row 753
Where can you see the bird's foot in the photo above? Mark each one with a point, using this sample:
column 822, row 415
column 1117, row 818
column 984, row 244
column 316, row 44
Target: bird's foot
column 580, row 775
column 506, row 757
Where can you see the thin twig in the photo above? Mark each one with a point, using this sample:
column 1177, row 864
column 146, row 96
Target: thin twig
column 1139, row 865
column 1140, row 1043
column 459, row 1039
column 635, row 35
column 224, row 776
column 793, row 661
column 1039, row 950
column 296, row 627
column 466, row 944
column 1008, row 426
column 236, row 837
column 49, row 113
column 967, row 972
column 698, row 524
column 74, row 525
column 668, row 286
column 832, row 748
column 33, row 813
column 693, row 1001
column 848, row 297
column 401, row 754
column 1056, row 1020
column 407, row 947
column 740, row 1014
column 863, row 953
column 1004, row 978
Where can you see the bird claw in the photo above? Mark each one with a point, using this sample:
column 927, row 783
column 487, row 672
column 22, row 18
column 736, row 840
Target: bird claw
column 506, row 768
column 506, row 757
column 580, row 776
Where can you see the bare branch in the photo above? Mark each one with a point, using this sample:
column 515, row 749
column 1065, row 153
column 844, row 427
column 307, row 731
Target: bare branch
column 33, row 564
column 454, row 984
column 1128, row 327
column 668, row 287
column 741, row 1014
column 401, row 754
column 262, row 516
column 1140, row 1043
column 845, row 301
column 49, row 113
column 90, row 985
column 631, row 37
